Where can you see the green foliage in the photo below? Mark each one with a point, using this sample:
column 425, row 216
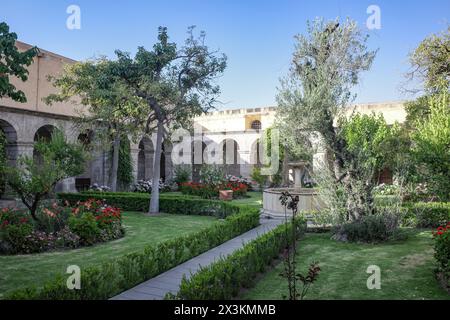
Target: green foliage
column 327, row 63
column 367, row 138
column 125, row 168
column 223, row 279
column 172, row 204
column 3, row 161
column 370, row 228
column 212, row 176
column 13, row 63
column 111, row 278
column 182, row 174
column 431, row 147
column 428, row 214
column 175, row 84
column 430, row 62
column 85, row 227
column 34, row 178
column 14, row 237
column 442, row 253
column 259, row 178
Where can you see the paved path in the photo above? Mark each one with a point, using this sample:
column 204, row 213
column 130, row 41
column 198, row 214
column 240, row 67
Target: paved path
column 169, row 281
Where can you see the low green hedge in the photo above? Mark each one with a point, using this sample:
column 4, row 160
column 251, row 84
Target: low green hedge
column 223, row 279
column 118, row 275
column 427, row 214
column 172, row 204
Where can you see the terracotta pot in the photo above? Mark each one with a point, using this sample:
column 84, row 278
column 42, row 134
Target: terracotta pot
column 226, row 195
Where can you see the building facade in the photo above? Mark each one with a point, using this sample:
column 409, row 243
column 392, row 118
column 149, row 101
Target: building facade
column 234, row 133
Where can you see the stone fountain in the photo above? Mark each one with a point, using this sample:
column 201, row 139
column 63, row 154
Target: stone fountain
column 309, row 198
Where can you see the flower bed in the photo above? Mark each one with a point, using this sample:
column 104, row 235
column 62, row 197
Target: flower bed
column 442, row 254
column 207, row 191
column 172, row 204
column 112, row 277
column 59, row 227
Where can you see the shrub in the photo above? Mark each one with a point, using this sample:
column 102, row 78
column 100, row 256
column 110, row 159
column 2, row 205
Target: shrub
column 223, row 279
column 172, row 204
column 96, row 187
column 182, row 175
column 442, row 253
column 85, row 227
column 52, row 218
column 145, row 186
column 58, row 227
column 429, row 214
column 111, row 278
column 65, row 238
column 13, row 237
column 370, row 228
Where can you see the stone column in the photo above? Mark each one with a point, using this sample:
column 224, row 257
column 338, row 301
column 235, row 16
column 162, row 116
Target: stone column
column 134, row 153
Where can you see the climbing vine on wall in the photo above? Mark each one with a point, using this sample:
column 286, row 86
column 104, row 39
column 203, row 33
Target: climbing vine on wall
column 2, row 161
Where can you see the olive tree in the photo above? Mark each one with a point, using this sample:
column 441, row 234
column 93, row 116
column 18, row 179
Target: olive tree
column 327, row 64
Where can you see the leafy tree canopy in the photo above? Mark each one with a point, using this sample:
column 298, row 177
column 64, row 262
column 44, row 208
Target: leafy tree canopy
column 13, row 63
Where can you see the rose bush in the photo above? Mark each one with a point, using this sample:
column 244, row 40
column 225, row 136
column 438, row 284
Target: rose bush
column 58, row 227
column 442, row 253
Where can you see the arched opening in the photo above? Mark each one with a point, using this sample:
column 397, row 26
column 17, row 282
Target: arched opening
column 44, row 134
column 9, row 148
column 230, row 149
column 83, row 181
column 256, row 154
column 145, row 159
column 256, row 125
column 198, row 158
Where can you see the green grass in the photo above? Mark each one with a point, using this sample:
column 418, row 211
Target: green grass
column 406, row 270
column 26, row 270
column 254, row 199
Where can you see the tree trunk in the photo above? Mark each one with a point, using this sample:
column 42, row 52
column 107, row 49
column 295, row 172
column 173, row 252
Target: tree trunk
column 115, row 162
column 154, row 200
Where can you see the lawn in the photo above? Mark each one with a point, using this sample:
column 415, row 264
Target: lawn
column 25, row 270
column 406, row 270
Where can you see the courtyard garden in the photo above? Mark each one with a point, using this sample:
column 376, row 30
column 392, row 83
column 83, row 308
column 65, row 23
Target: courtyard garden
column 363, row 239
column 19, row 271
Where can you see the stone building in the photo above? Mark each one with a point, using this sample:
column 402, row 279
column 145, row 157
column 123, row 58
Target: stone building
column 236, row 132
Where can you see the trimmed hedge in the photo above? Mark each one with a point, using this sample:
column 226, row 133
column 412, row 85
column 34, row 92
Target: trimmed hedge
column 223, row 279
column 428, row 214
column 172, row 204
column 116, row 276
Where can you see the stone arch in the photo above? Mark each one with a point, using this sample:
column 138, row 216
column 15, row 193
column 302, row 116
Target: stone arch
column 256, row 153
column 166, row 161
column 230, row 157
column 10, row 151
column 44, row 133
column 84, row 181
column 10, row 134
column 145, row 159
column 198, row 158
column 256, row 125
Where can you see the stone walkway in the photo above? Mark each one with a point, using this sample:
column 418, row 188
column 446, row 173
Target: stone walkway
column 169, row 281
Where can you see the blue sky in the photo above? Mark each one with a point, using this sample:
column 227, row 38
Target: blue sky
column 257, row 36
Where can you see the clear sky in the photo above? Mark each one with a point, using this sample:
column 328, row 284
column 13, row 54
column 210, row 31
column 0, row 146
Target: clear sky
column 256, row 35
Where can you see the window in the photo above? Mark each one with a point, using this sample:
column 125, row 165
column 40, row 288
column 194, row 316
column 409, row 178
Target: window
column 256, row 125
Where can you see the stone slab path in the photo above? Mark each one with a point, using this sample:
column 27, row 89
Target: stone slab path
column 169, row 281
